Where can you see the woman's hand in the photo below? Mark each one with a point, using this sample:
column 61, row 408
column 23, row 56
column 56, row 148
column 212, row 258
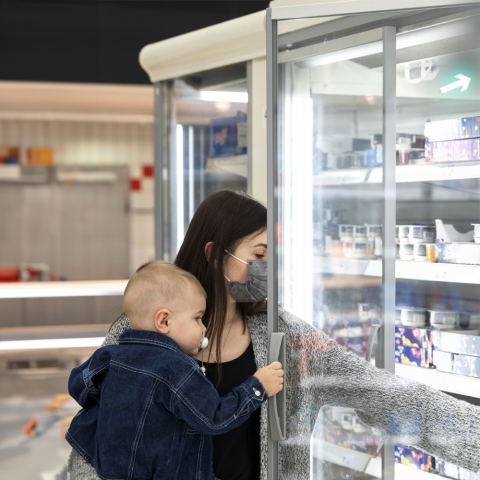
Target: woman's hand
column 271, row 377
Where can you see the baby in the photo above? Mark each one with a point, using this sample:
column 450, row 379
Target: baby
column 148, row 409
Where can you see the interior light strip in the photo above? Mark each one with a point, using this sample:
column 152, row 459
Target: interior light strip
column 224, row 96
column 51, row 343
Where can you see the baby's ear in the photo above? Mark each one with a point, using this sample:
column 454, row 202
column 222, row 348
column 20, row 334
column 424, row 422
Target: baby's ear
column 162, row 321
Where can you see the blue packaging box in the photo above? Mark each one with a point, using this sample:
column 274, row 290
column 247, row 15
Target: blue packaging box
column 459, row 342
column 414, row 458
column 228, row 136
column 454, row 363
column 453, row 471
column 419, row 357
column 453, row 129
column 413, row 337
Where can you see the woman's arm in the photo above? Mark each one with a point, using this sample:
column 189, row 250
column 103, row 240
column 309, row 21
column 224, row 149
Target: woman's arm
column 117, row 328
column 411, row 413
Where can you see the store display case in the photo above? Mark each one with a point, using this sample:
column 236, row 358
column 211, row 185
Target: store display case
column 374, row 174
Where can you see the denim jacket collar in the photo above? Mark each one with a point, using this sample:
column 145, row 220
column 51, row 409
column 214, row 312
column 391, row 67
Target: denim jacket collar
column 147, row 337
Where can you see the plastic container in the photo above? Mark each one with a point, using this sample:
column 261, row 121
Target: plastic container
column 444, row 319
column 406, row 251
column 362, row 249
column 431, row 252
column 360, row 232
column 447, row 234
column 420, row 252
column 346, row 232
column 413, row 317
column 421, row 234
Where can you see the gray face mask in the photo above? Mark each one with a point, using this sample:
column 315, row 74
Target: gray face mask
column 254, row 289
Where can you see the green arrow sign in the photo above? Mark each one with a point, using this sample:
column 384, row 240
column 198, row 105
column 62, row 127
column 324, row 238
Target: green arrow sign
column 463, row 82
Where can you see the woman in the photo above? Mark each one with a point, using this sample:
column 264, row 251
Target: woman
column 229, row 230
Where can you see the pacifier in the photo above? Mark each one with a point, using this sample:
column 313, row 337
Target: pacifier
column 203, row 343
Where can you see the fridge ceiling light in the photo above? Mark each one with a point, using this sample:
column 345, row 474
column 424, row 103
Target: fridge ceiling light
column 219, row 96
column 51, row 343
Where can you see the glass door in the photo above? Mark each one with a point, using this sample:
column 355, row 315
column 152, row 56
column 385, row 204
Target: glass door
column 200, row 147
column 373, row 203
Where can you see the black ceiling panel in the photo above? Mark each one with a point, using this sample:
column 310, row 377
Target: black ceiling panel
column 81, row 41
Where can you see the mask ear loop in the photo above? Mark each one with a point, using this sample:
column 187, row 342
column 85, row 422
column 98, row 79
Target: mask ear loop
column 239, row 259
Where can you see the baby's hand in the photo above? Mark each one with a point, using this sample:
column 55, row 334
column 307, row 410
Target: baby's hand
column 271, row 377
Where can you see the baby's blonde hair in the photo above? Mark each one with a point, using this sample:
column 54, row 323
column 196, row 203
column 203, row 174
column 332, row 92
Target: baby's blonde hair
column 153, row 286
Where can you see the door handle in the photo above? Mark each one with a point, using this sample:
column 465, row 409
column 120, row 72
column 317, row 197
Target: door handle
column 276, row 404
column 371, row 341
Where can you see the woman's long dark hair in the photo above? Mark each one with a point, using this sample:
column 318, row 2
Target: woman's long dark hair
column 224, row 218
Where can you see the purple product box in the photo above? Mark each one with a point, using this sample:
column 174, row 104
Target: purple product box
column 453, row 471
column 228, row 136
column 463, row 343
column 453, row 150
column 413, row 337
column 414, row 458
column 465, row 253
column 453, row 129
column 419, row 357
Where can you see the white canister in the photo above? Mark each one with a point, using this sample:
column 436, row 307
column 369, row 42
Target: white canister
column 362, row 249
column 345, row 232
column 420, row 252
column 360, row 232
column 476, row 232
column 406, row 251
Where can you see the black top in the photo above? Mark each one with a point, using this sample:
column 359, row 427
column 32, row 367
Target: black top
column 236, row 454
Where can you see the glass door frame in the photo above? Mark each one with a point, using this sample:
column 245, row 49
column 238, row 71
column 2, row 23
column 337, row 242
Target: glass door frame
column 352, row 17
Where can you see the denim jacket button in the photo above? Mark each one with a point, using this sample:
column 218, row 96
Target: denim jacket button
column 257, row 393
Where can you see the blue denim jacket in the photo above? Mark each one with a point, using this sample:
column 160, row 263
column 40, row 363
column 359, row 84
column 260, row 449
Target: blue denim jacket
column 148, row 410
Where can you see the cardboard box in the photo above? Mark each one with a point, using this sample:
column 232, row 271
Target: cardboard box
column 9, row 155
column 40, row 156
column 453, row 129
column 413, row 337
column 450, row 470
column 414, row 458
column 228, row 136
column 419, row 357
column 465, row 253
column 453, row 150
column 467, row 365
column 466, row 342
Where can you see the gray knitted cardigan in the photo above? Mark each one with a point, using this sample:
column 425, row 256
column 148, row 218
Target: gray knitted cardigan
column 319, row 372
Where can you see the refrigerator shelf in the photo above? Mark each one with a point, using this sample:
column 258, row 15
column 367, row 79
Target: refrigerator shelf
column 408, row 270
column 83, row 288
column 362, row 462
column 429, row 172
column 447, row 382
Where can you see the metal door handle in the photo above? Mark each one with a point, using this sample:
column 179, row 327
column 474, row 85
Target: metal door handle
column 371, row 341
column 276, row 404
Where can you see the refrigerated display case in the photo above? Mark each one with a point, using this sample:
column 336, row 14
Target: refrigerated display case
column 374, row 198
column 209, row 120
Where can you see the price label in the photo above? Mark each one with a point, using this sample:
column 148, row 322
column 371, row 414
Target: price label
column 346, row 460
column 442, row 275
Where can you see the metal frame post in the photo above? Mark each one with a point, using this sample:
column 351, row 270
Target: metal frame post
column 272, row 316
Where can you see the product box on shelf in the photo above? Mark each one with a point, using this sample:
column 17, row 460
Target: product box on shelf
column 40, row 156
column 465, row 253
column 413, row 337
column 414, row 458
column 453, row 129
column 360, row 442
column 465, row 342
column 467, row 365
column 419, row 357
column 9, row 155
column 453, row 150
column 228, row 136
column 453, row 471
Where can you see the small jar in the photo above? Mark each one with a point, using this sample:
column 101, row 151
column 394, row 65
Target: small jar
column 406, row 251
column 420, row 252
column 346, row 233
column 431, row 252
column 348, row 249
column 360, row 232
column 365, row 310
column 403, row 231
column 421, row 234
column 476, row 232
column 444, row 319
column 362, row 249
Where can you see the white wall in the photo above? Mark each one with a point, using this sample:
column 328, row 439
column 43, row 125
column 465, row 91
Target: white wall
column 98, row 143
